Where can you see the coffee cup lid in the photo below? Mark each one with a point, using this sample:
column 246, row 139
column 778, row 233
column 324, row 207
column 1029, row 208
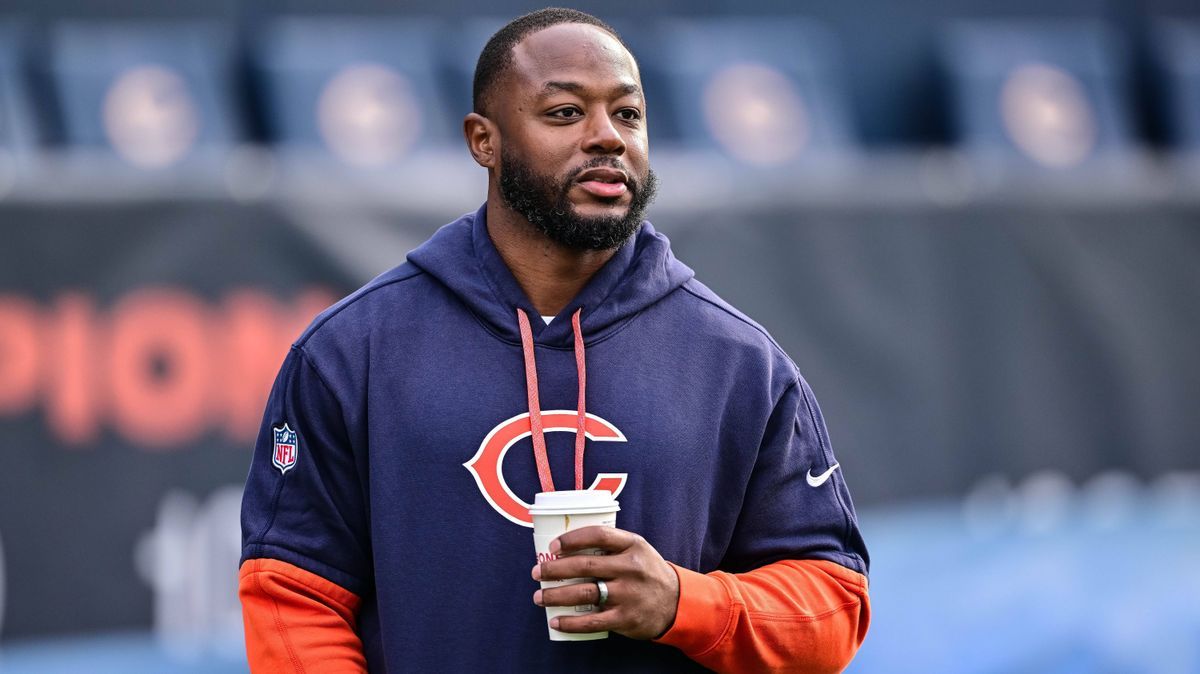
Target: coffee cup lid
column 574, row 501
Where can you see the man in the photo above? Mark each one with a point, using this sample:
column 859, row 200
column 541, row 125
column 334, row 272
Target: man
column 385, row 520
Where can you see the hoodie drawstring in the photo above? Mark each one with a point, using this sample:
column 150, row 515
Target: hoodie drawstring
column 535, row 408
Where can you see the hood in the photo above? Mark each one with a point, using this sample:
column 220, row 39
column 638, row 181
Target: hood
column 462, row 257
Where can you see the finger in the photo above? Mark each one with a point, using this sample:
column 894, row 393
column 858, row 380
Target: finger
column 577, row 594
column 582, row 566
column 602, row 621
column 609, row 539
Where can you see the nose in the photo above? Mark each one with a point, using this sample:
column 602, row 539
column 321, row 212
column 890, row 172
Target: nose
column 602, row 135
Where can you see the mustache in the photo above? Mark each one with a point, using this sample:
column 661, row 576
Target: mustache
column 603, row 162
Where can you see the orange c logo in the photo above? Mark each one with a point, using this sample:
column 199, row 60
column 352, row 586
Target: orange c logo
column 487, row 466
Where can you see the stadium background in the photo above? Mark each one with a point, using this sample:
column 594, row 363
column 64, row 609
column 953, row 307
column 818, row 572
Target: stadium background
column 972, row 224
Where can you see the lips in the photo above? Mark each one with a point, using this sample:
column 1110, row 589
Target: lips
column 607, row 183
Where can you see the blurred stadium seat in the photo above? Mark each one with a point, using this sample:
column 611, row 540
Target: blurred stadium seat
column 459, row 54
column 362, row 89
column 155, row 92
column 764, row 91
column 18, row 131
column 1053, row 93
column 1177, row 54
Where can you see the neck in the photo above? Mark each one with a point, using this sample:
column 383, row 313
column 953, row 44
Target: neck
column 550, row 274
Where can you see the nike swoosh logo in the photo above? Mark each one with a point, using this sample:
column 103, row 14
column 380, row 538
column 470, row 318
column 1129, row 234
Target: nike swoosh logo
column 818, row 480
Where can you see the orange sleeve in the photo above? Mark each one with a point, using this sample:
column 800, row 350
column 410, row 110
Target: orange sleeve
column 297, row 622
column 802, row 616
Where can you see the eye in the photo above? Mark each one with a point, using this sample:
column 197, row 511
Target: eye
column 629, row 114
column 567, row 113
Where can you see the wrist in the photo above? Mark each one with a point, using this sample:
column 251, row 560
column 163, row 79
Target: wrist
column 672, row 603
column 702, row 612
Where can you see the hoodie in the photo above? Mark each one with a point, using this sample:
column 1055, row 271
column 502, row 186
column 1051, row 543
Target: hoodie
column 385, row 522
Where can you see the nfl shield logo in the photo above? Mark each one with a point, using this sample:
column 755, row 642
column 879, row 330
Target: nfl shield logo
column 286, row 448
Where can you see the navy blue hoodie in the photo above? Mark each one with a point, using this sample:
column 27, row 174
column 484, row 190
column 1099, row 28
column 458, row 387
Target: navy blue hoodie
column 395, row 459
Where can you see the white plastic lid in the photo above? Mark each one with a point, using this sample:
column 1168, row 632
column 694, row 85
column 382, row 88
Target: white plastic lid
column 574, row 501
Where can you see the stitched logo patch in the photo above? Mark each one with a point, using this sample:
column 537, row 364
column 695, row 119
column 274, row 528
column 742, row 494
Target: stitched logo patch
column 287, row 448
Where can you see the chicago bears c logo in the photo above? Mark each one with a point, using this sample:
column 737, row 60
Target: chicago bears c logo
column 487, row 466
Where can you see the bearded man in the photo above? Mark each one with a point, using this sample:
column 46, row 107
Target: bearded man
column 386, row 515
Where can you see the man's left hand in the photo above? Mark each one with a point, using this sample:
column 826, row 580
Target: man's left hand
column 643, row 590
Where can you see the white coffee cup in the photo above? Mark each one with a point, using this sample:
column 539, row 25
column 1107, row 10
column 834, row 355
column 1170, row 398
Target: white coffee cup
column 556, row 512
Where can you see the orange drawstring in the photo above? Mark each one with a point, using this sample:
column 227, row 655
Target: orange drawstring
column 581, row 408
column 536, row 427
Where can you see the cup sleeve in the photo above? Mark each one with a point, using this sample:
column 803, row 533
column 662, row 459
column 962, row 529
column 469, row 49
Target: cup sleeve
column 303, row 503
column 797, row 504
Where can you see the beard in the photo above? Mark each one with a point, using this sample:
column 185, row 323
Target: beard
column 543, row 201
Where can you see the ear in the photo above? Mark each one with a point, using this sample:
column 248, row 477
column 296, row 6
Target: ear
column 483, row 139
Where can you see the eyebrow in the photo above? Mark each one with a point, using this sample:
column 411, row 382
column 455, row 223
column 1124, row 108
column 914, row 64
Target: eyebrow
column 555, row 86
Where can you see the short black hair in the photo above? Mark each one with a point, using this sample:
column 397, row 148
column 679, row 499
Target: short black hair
column 496, row 56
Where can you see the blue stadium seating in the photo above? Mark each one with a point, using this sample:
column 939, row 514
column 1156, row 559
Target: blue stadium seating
column 1054, row 93
column 1177, row 52
column 19, row 133
column 366, row 89
column 765, row 91
column 461, row 53
column 155, row 91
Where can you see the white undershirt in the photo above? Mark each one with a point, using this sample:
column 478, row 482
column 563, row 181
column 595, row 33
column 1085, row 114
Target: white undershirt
column 547, row 319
